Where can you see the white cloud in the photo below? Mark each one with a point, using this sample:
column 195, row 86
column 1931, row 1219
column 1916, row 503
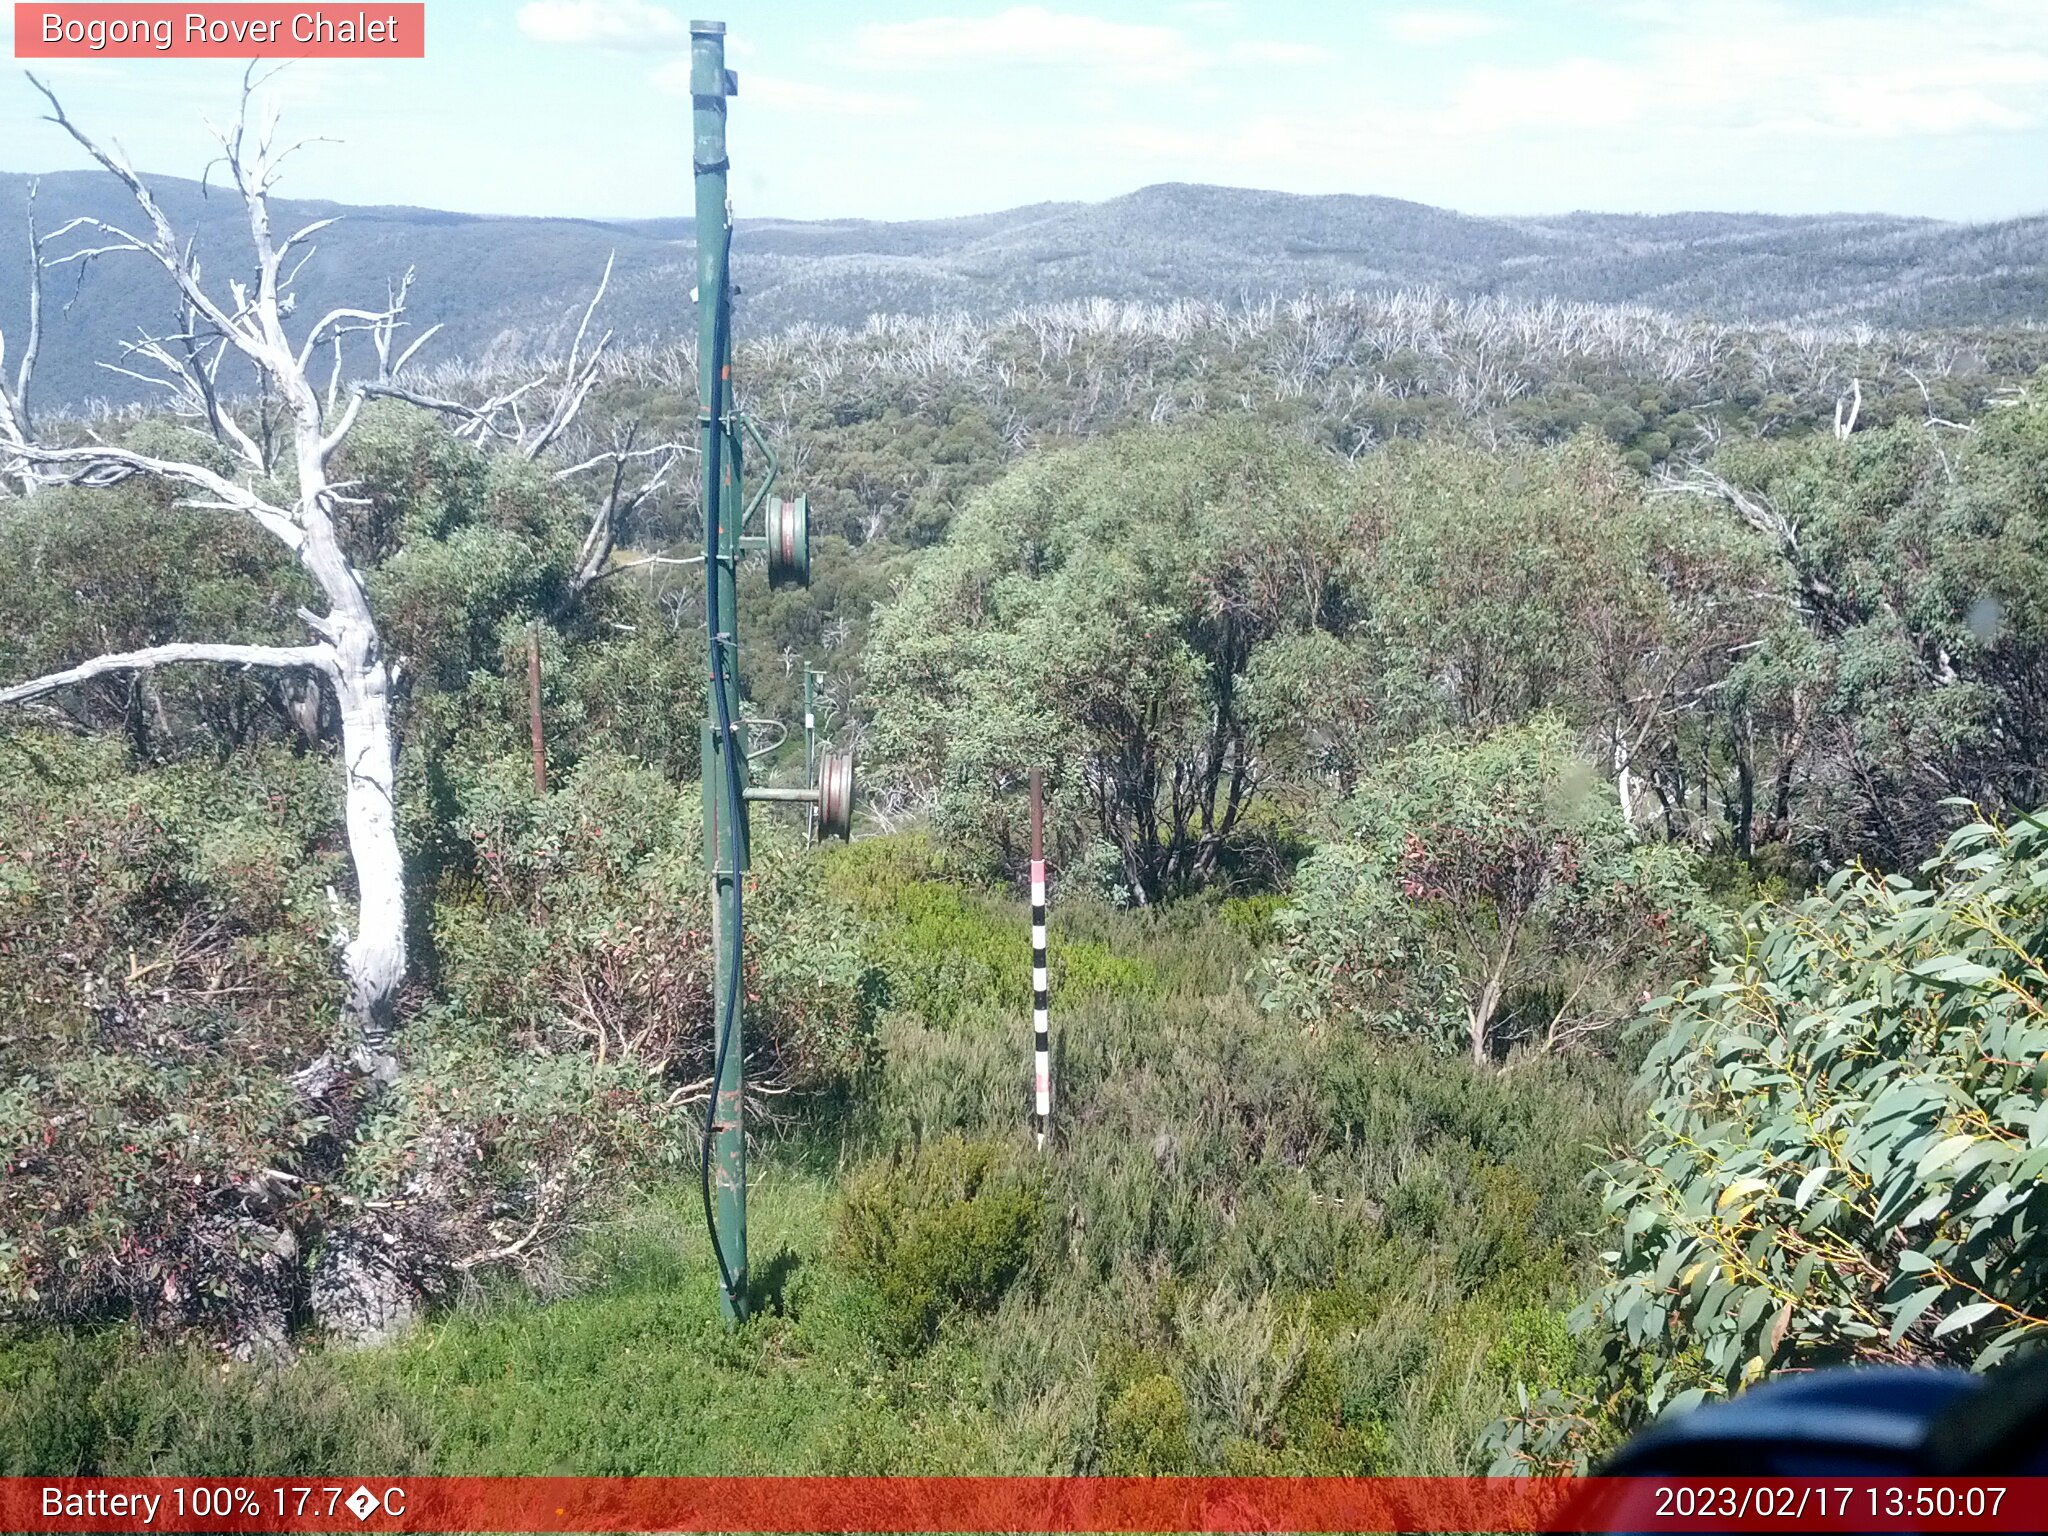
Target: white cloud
column 1148, row 140
column 800, row 96
column 1749, row 102
column 1028, row 34
column 1774, row 67
column 1429, row 29
column 784, row 95
column 1888, row 111
column 1285, row 55
column 1573, row 93
column 601, row 23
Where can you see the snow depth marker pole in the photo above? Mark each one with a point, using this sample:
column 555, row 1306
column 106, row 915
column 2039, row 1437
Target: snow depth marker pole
column 1041, row 1044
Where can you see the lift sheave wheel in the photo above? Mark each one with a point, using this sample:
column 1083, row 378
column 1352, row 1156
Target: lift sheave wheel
column 835, row 795
column 789, row 543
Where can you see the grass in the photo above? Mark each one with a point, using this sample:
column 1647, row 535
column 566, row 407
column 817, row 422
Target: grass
column 640, row 1376
column 1259, row 1251
column 635, row 1375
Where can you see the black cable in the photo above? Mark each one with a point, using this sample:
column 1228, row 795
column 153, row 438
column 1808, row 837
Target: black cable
column 733, row 794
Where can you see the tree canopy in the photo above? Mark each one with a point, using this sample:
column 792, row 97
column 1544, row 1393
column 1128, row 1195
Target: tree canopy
column 1099, row 611
column 1485, row 893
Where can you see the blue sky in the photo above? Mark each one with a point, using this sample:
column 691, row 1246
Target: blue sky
column 911, row 108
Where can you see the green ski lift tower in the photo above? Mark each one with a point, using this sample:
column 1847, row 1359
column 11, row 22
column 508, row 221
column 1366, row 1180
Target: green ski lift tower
column 785, row 541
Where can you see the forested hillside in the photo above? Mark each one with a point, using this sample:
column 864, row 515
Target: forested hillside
column 1549, row 888
column 504, row 288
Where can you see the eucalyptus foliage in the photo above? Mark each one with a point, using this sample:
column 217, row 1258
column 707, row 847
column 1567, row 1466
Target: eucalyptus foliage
column 1098, row 612
column 1913, row 663
column 1846, row 1156
column 1486, row 892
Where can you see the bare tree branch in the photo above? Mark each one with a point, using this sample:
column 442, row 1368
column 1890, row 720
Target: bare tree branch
column 164, row 249
column 1755, row 509
column 17, row 420
column 98, row 465
column 594, row 559
column 319, row 658
column 1847, row 409
column 576, row 379
column 368, row 319
column 474, row 423
column 25, row 375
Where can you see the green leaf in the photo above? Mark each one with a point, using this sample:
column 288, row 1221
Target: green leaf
column 1739, row 1190
column 1954, row 970
column 1685, row 1401
column 1944, row 1152
column 1803, row 1275
column 1999, row 1348
column 1753, row 1308
column 1927, row 1209
column 1963, row 1317
column 1910, row 1310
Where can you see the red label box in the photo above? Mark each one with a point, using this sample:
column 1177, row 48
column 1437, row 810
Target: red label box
column 1129, row 1505
column 231, row 31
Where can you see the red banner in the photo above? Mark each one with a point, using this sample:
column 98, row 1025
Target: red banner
column 233, row 31
column 1005, row 1504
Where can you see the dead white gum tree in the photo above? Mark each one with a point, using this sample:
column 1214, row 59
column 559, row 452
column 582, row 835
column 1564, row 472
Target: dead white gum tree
column 285, row 489
column 282, row 446
column 281, row 482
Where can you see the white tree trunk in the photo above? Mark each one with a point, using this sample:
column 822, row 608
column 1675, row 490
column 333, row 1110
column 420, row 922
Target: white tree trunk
column 374, row 959
column 351, row 653
column 1624, row 775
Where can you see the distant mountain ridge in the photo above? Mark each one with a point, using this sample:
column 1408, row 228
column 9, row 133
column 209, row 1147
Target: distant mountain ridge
column 503, row 286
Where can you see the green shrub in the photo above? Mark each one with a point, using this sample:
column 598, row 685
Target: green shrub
column 565, row 1056
column 1254, row 916
column 163, row 969
column 48, row 1421
column 134, row 570
column 1487, row 893
column 106, row 1404
column 1846, row 1157
column 947, row 1230
column 950, row 951
column 1241, row 1361
column 1098, row 609
column 1145, row 1431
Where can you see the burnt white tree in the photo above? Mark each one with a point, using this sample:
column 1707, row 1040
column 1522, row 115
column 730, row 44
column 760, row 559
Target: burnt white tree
column 281, row 441
column 17, row 425
column 280, row 481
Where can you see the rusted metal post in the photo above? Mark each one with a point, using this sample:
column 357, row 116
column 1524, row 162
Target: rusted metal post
column 811, row 749
column 540, row 740
column 1041, row 1027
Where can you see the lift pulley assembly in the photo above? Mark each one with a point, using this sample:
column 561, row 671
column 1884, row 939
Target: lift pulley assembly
column 830, row 795
column 835, row 795
column 786, row 535
column 789, row 543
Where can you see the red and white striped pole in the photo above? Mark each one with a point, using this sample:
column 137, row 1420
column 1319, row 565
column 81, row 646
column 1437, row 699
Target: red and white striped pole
column 1041, row 1028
